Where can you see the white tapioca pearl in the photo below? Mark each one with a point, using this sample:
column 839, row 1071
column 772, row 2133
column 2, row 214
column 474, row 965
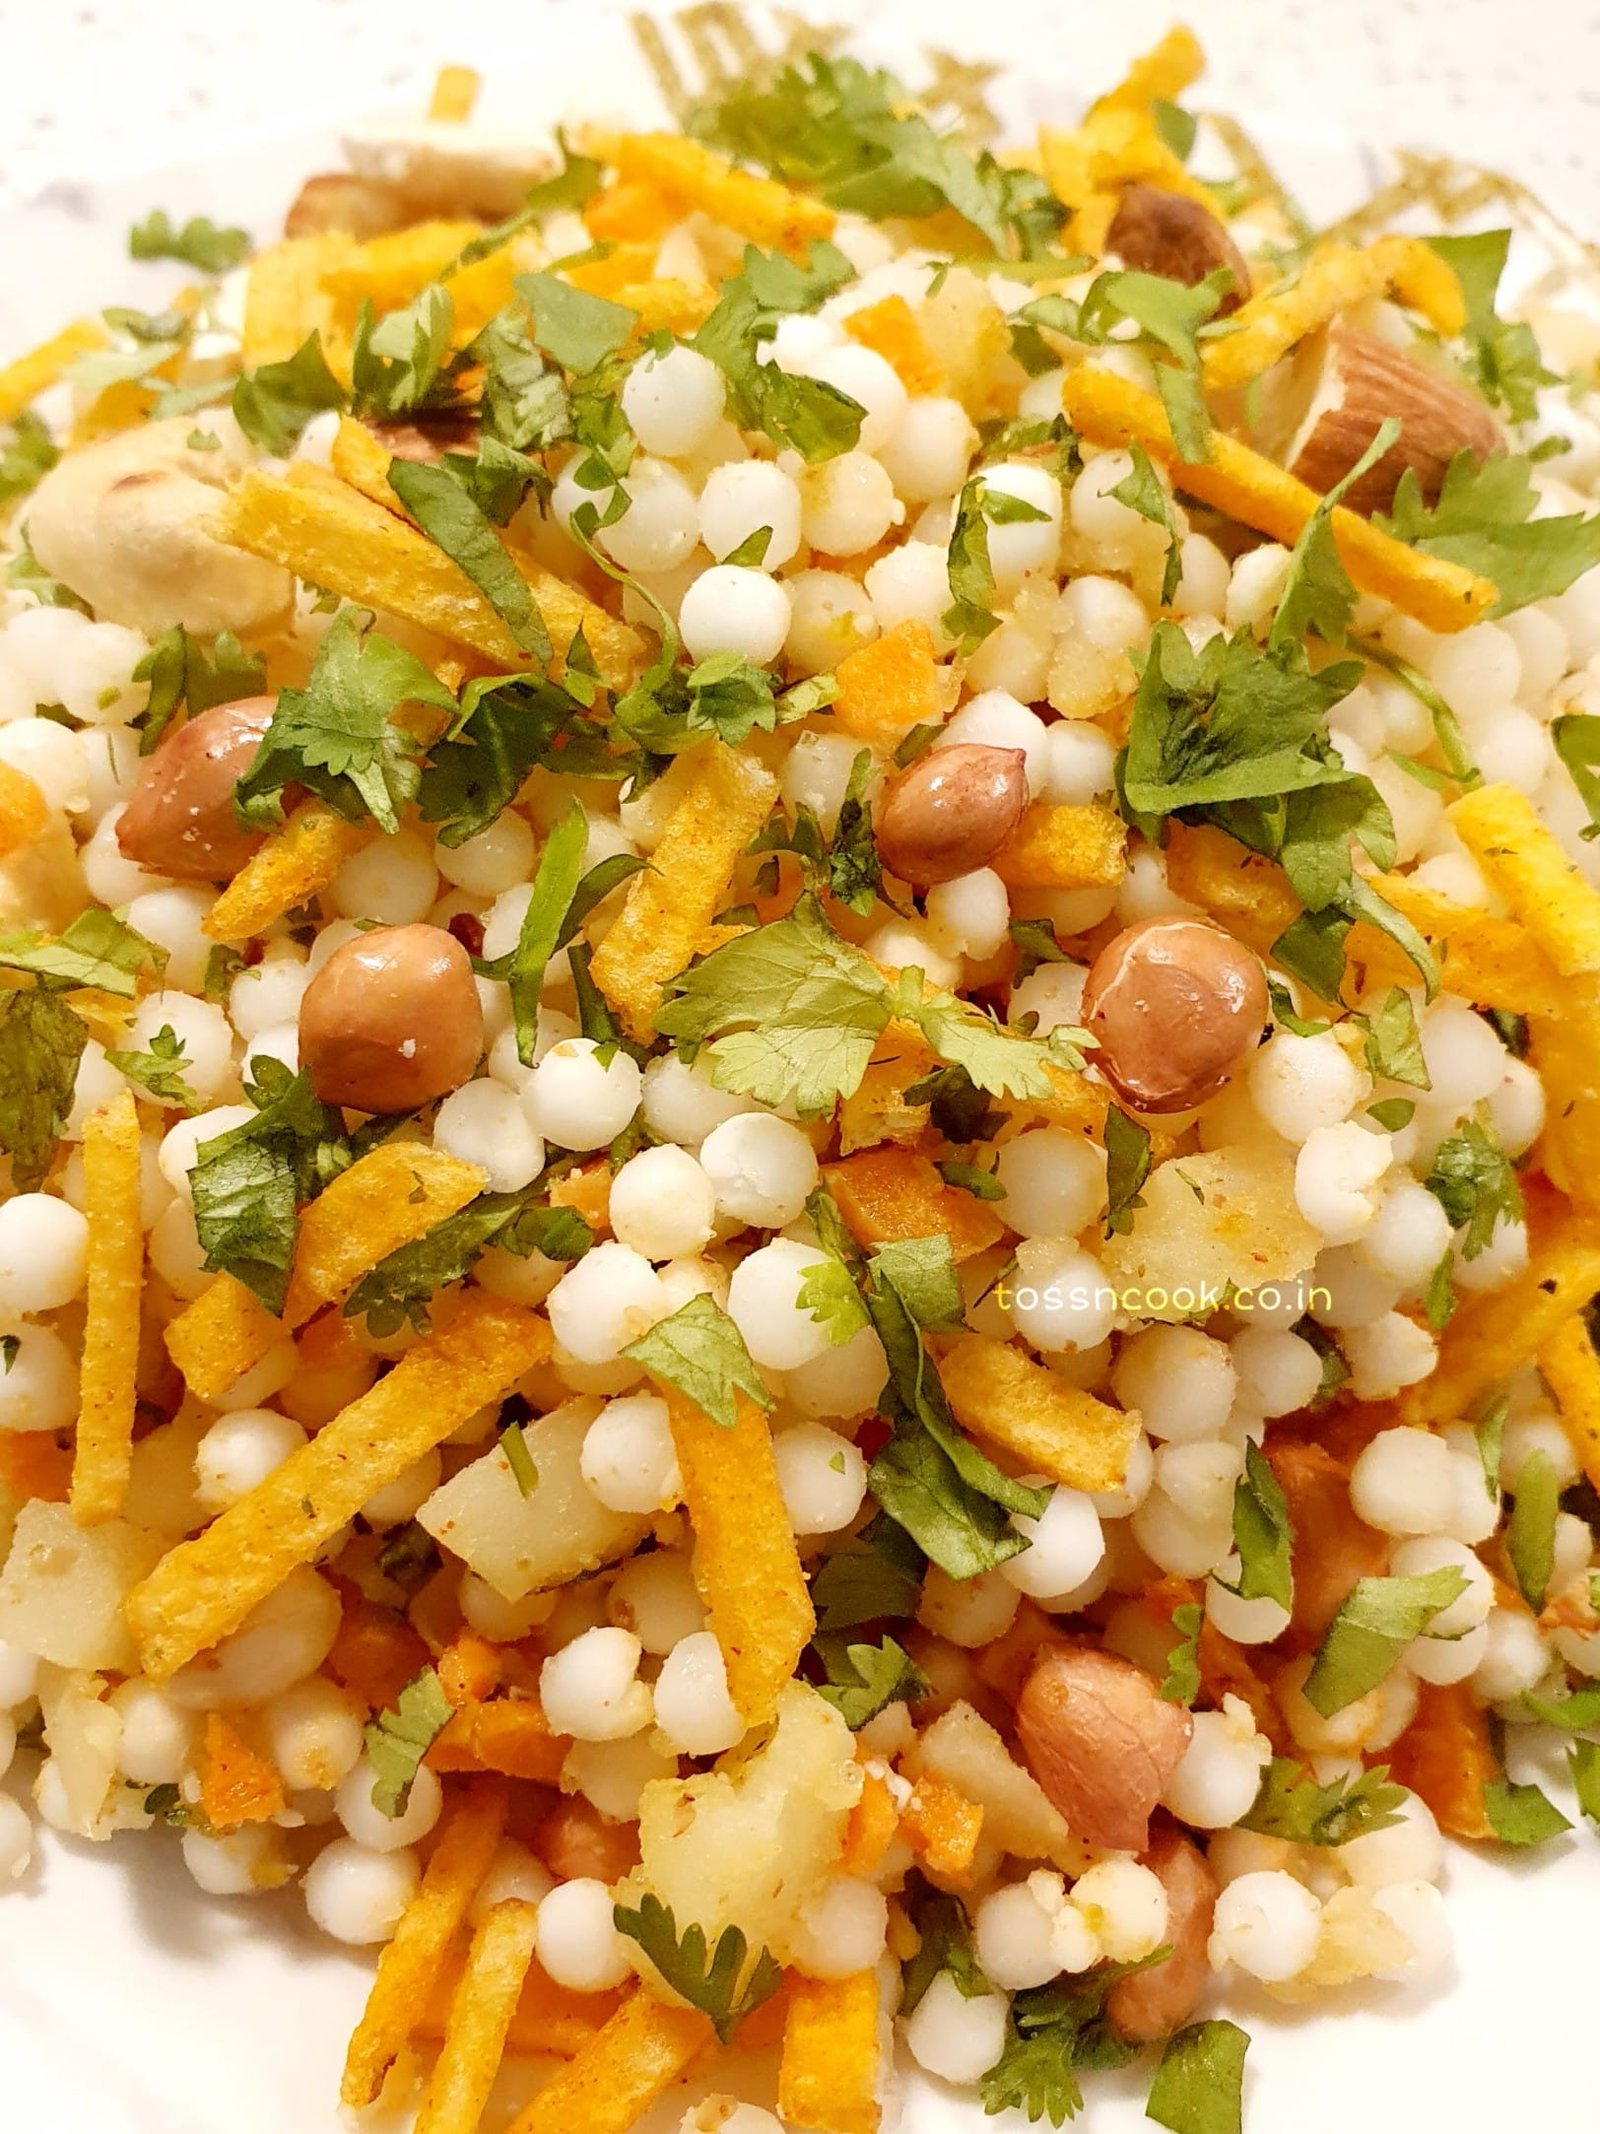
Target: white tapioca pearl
column 1301, row 1083
column 764, row 1304
column 1054, row 1181
column 629, row 1460
column 392, row 880
column 239, row 1451
column 1403, row 1482
column 731, row 608
column 692, row 1706
column 740, row 500
column 604, row 1301
column 822, row 1476
column 1181, row 1382
column 1266, row 1923
column 681, row 1103
column 955, row 2037
column 578, row 1101
column 673, row 401
column 864, row 377
column 44, row 1244
column 577, row 1940
column 590, row 1688
column 1061, row 1298
column 494, row 861
column 849, row 505
column 930, row 450
column 659, row 529
column 485, row 1123
column 830, row 617
column 358, row 1895
column 761, row 1169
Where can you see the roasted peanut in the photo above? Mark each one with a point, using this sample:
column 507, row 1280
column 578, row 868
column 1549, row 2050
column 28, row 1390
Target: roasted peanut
column 180, row 819
column 355, row 207
column 392, row 1020
column 576, row 1841
column 950, row 813
column 1101, row 1742
column 1154, row 2003
column 1176, row 1007
column 1164, row 233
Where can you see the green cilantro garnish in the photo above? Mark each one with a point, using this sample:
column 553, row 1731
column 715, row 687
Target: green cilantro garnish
column 828, row 1292
column 970, row 618
column 1199, row 2086
column 1292, row 1805
column 1370, row 1632
column 398, row 1289
column 1531, row 1528
column 1521, row 1815
column 1502, row 353
column 248, row 1183
column 159, row 1072
column 719, row 1984
column 970, row 1178
column 508, row 725
column 701, row 1352
column 800, row 414
column 273, row 403
column 182, row 671
column 1262, row 1534
column 1474, row 1182
column 26, row 457
column 1169, row 315
column 1483, row 520
column 862, row 1679
column 1056, row 2033
column 1490, row 1434
column 854, row 869
column 1142, row 492
column 98, row 949
column 1583, row 1761
column 223, row 965
column 1393, row 1042
column 397, row 1740
column 1439, row 1298
column 453, row 520
column 1318, row 594
column 199, row 243
column 339, row 735
column 1181, row 1683
column 1573, row 1713
column 519, row 1459
column 880, row 1580
column 1127, row 1168
column 401, row 364
column 1036, row 944
column 41, row 1041
column 944, row 1944
column 1576, row 735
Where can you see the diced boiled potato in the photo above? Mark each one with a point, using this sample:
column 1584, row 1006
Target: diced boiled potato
column 161, row 1487
column 556, row 1533
column 1228, row 1216
column 749, row 1844
column 63, row 1587
column 964, row 1750
column 83, row 1735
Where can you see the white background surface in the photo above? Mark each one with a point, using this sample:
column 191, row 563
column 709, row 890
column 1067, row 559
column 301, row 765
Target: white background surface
column 129, row 2004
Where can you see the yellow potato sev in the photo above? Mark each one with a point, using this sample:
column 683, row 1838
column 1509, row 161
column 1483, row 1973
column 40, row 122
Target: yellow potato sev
column 1333, row 279
column 1161, row 74
column 295, row 864
column 669, row 905
column 832, row 2055
column 204, row 1588
column 391, row 1196
column 1064, row 848
column 1571, row 1369
column 284, row 298
column 644, row 2049
column 225, row 1332
column 455, row 95
column 1108, row 410
column 1054, row 1429
column 104, row 1449
column 480, row 2020
column 471, row 1827
column 23, row 381
column 746, row 1565
column 328, row 534
column 1523, row 860
column 696, row 177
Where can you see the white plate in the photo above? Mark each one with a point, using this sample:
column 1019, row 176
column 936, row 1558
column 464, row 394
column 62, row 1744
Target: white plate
column 132, row 2004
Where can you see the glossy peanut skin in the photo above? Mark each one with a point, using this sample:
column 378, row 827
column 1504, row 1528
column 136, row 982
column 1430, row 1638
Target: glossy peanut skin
column 1154, row 2003
column 1163, row 233
column 575, row 1841
column 950, row 813
column 1176, row 1008
column 1101, row 1741
column 180, row 820
column 392, row 1020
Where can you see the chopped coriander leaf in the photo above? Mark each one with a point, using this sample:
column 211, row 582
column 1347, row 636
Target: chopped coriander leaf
column 519, row 1459
column 1176, row 127
column 507, row 726
column 880, row 1580
column 452, row 520
column 854, row 869
column 41, row 1041
column 1503, row 354
column 1181, row 1682
column 969, row 1178
column 1292, row 1805
column 701, row 1352
column 1483, row 520
column 1521, row 1815
column 1127, row 1168
column 863, row 1679
column 1490, row 1434
column 1583, row 1761
column 26, row 574
column 159, row 1072
column 1199, row 2086
column 1142, row 492
column 273, row 403
column 1372, row 1630
column 401, row 363
column 26, row 457
column 1394, row 1043
column 828, row 1292
column 1574, row 1713
column 1531, row 1528
column 1576, row 735
column 803, row 414
column 199, row 243
column 247, row 1183
column 98, row 949
column 182, row 672
column 1262, row 1534
column 1283, row 1013
column 1318, row 594
column 720, row 1984
column 970, row 618
column 398, row 1739
column 1439, row 1298
column 1447, row 729
column 945, row 1944
column 1036, row 944
column 339, row 734
column 577, row 329
column 1474, row 1182
column 400, row 1287
column 1055, row 2033
column 1392, row 1114
column 1168, row 314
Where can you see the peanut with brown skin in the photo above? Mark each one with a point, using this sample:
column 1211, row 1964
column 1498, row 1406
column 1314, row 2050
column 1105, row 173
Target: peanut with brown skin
column 1154, row 2003
column 1101, row 1741
column 1164, row 233
column 392, row 1020
column 1176, row 1007
column 576, row 1841
column 950, row 813
column 180, row 820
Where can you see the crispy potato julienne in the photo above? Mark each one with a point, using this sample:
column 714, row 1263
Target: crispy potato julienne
column 295, row 864
column 1445, row 1756
column 746, row 1564
column 206, row 1587
column 237, row 1783
column 1333, row 278
column 895, row 1193
column 891, row 685
column 111, row 1321
column 510, row 1735
column 455, row 95
column 890, row 330
column 548, row 2018
column 393, row 1195
column 284, row 298
column 23, row 381
column 1523, row 860
column 877, row 1111
column 694, row 176
column 832, row 2057
column 480, row 2020
column 1064, row 848
column 942, row 1826
column 1160, row 74
column 473, row 1825
column 1570, row 1368
column 225, row 1332
column 727, row 799
column 1000, row 1395
column 326, row 532
column 390, row 269
column 642, row 2051
column 1493, row 1336
column 1108, row 410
